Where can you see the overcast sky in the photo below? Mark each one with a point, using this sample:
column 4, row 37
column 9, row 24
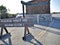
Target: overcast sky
column 15, row 6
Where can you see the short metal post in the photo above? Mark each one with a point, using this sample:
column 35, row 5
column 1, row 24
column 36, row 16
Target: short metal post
column 1, row 31
column 23, row 10
column 3, row 27
column 25, row 31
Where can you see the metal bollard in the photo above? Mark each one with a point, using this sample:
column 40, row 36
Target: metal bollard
column 25, row 32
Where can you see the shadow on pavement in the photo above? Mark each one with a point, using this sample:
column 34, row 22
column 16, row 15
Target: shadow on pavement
column 51, row 31
column 4, row 37
column 55, row 32
column 30, row 38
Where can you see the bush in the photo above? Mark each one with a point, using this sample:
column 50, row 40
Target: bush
column 4, row 16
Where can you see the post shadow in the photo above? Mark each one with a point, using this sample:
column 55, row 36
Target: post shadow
column 4, row 37
column 3, row 27
column 30, row 37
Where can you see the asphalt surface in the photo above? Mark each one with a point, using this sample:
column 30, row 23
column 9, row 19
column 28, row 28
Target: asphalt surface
column 39, row 35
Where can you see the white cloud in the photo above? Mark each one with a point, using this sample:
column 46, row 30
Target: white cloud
column 14, row 5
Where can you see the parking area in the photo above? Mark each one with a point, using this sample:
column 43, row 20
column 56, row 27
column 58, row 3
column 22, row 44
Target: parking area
column 39, row 35
column 49, row 36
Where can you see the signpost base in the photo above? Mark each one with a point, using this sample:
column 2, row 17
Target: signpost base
column 1, row 33
column 26, row 32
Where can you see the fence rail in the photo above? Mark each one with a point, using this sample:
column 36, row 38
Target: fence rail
column 12, row 22
column 29, row 20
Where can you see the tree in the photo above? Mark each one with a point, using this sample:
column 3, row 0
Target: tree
column 3, row 12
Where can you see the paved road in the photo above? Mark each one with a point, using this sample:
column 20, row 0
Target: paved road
column 40, row 35
column 37, row 36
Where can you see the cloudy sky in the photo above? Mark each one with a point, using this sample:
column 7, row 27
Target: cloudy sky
column 14, row 6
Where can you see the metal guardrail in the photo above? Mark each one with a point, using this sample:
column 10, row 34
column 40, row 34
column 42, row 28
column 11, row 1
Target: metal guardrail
column 29, row 20
column 16, row 22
